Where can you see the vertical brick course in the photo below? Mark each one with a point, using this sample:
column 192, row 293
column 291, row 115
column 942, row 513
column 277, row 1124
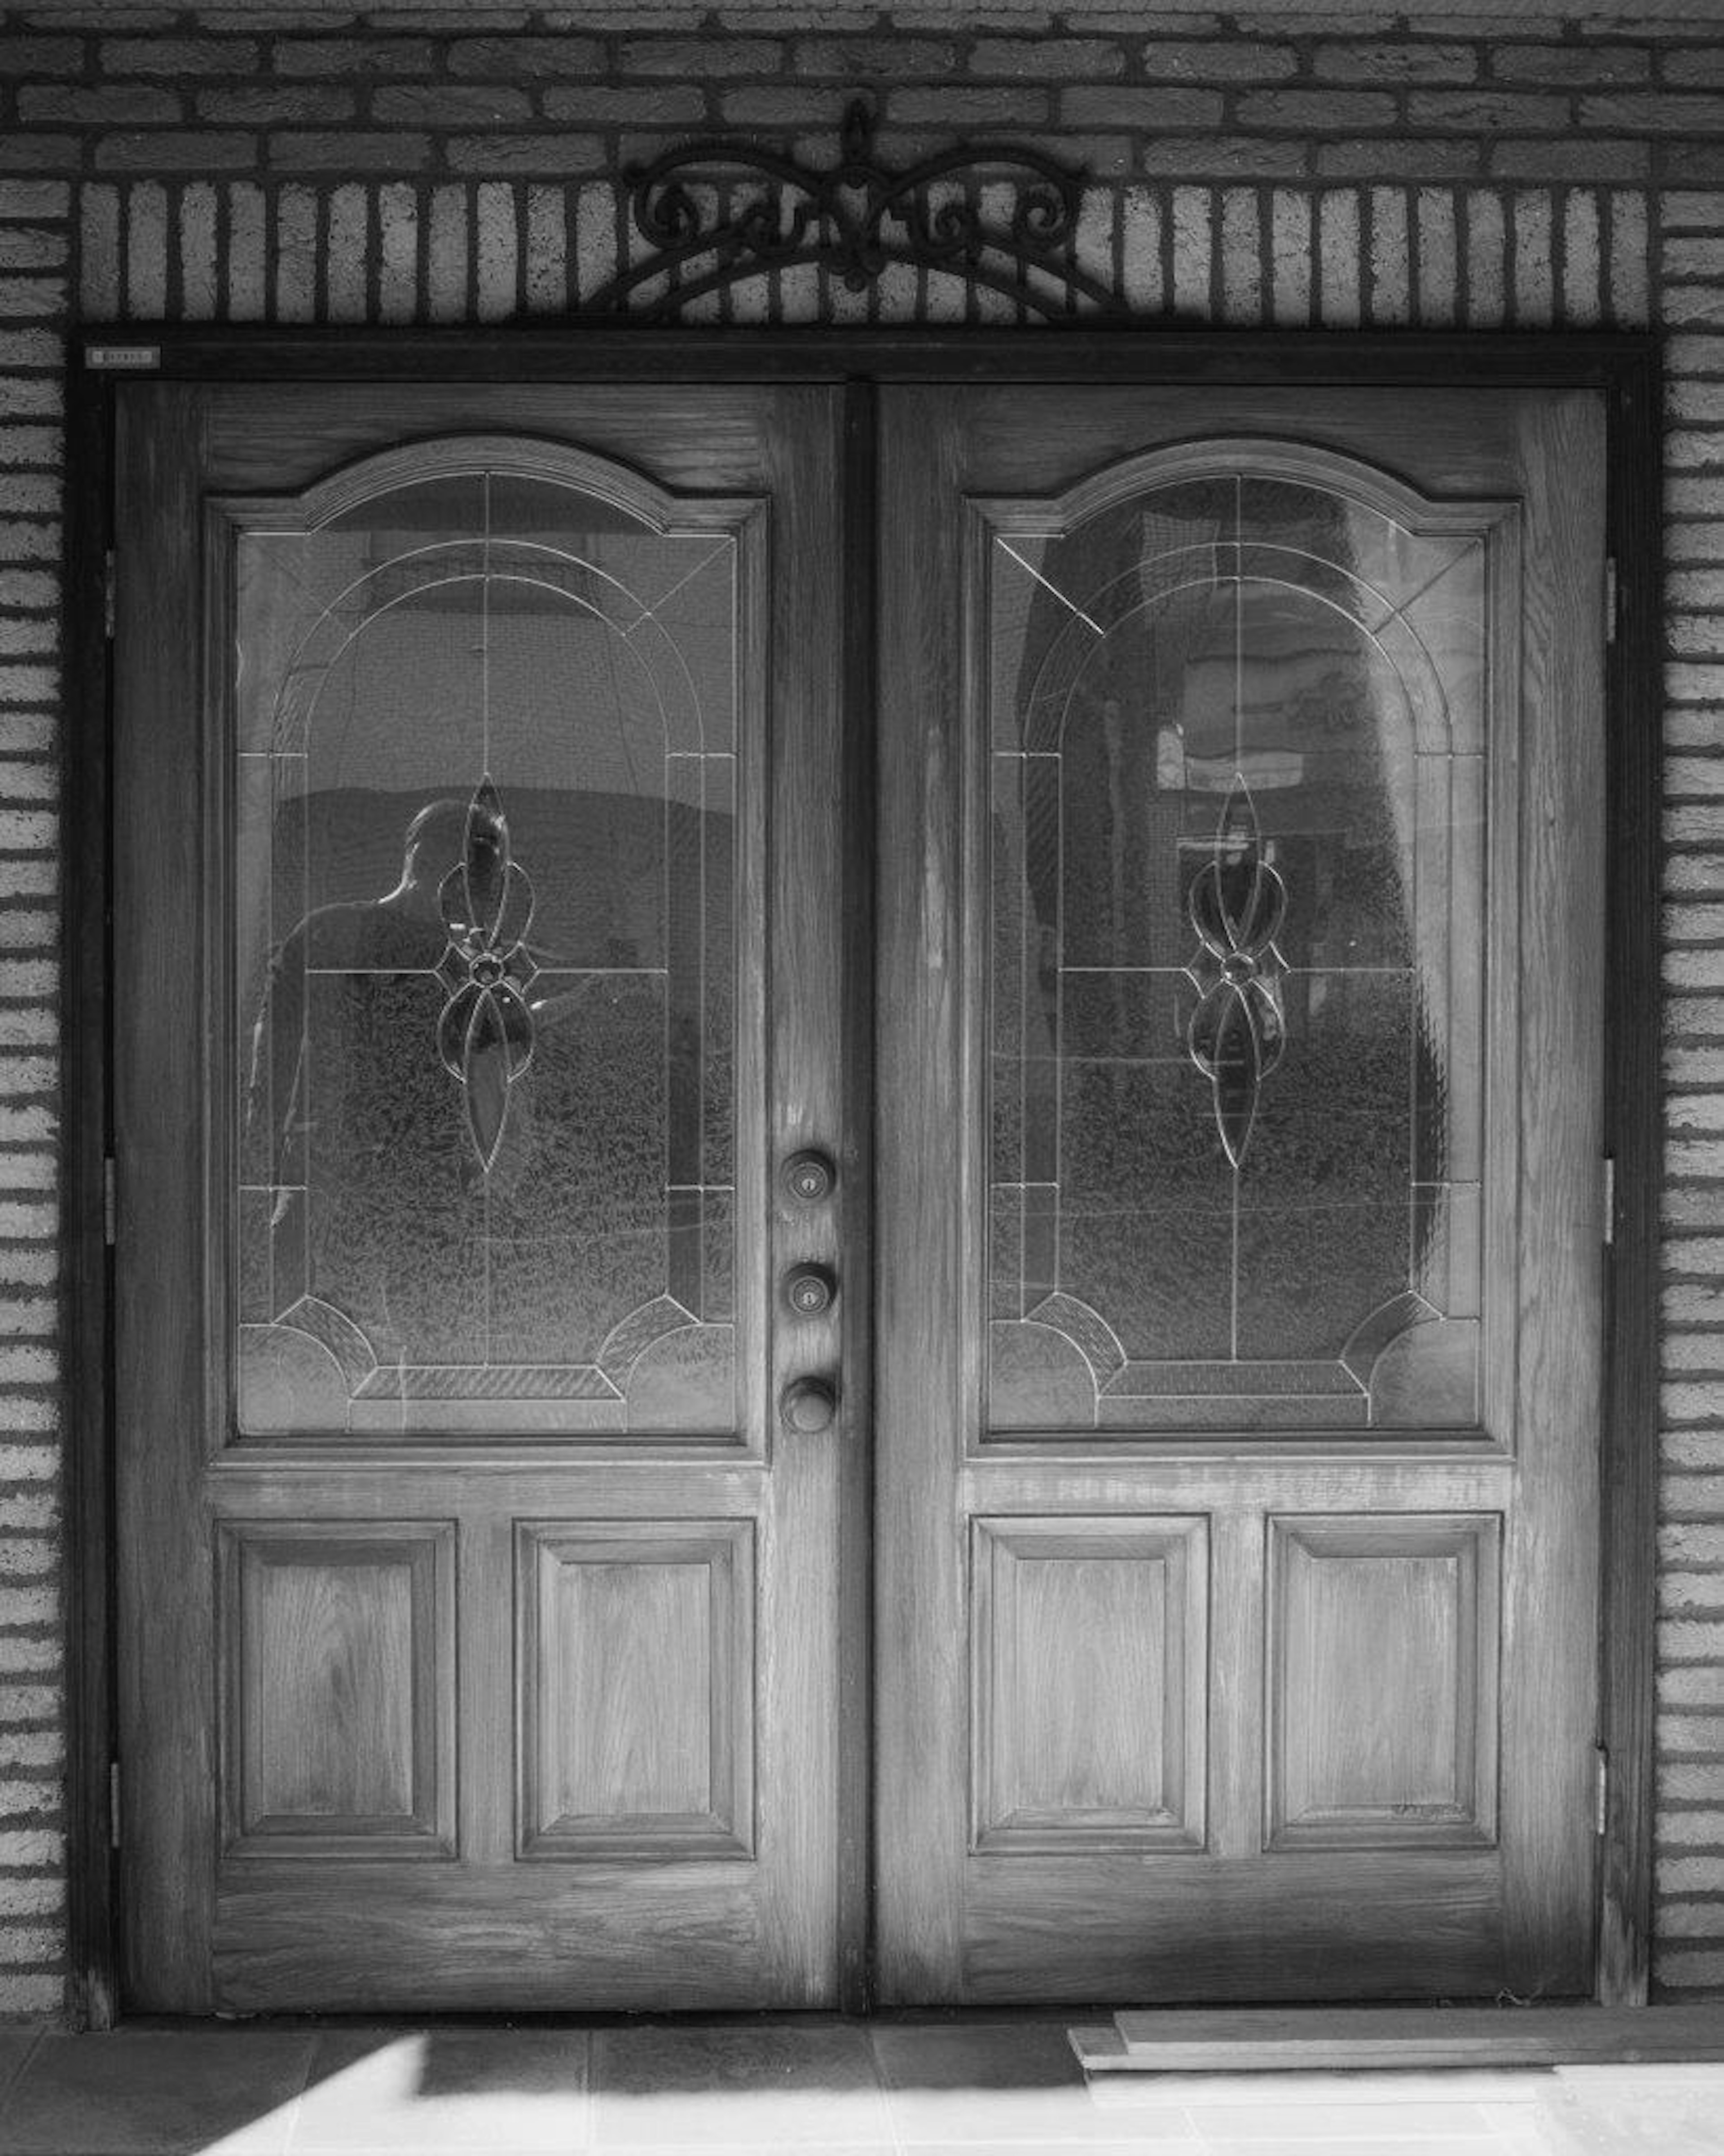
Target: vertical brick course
column 1267, row 170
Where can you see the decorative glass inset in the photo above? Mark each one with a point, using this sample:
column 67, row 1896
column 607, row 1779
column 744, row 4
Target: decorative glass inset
column 484, row 1034
column 1238, row 903
column 1241, row 716
column 485, row 701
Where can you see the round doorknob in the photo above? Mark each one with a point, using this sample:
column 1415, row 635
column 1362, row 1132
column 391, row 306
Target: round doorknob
column 809, row 1290
column 810, row 1178
column 808, row 1406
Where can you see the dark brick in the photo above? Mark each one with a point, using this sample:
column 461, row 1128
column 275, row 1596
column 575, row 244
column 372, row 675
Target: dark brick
column 1370, row 158
column 1221, row 157
column 39, row 200
column 1576, row 64
column 1656, row 111
column 692, row 59
column 550, row 156
column 890, row 59
column 300, row 104
column 22, row 56
column 537, row 56
column 1103, row 157
column 1485, row 110
column 793, row 104
column 1701, row 163
column 1126, row 106
column 36, row 153
column 681, row 106
column 969, row 108
column 353, row 56
column 349, row 149
column 1338, row 25
column 1045, row 59
column 178, row 56
column 189, row 149
column 1323, row 110
column 1367, row 60
column 1694, row 67
column 1172, row 62
column 1561, row 158
column 116, row 104
column 32, row 250
column 450, row 105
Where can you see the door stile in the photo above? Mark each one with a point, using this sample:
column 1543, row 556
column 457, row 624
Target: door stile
column 857, row 878
column 1561, row 839
column 159, row 982
column 919, row 1394
column 802, row 966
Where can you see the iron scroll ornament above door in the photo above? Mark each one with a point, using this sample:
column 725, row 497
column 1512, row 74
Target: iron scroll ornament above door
column 715, row 213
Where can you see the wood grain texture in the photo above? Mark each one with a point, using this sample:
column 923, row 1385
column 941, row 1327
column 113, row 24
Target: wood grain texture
column 926, row 1111
column 1089, row 1685
column 1551, row 1565
column 635, row 1665
column 86, row 1312
column 1380, row 1703
column 165, row 1590
column 1252, row 2039
column 1039, row 1925
column 1633, row 1122
column 749, row 1916
column 336, row 1646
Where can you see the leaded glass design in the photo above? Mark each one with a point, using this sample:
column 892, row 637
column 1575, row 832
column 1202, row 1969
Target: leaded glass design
column 1239, row 723
column 485, row 860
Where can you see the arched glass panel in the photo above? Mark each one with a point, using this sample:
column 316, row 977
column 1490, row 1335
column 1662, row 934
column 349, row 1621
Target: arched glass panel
column 484, row 866
column 1241, row 722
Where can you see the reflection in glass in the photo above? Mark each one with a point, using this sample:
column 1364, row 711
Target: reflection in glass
column 1237, row 1126
column 486, row 947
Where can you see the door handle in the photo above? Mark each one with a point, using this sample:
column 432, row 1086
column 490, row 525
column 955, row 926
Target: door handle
column 808, row 1405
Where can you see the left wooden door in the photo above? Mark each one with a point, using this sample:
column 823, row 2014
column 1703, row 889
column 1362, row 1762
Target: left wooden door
column 478, row 1643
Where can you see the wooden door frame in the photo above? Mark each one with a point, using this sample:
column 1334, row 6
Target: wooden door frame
column 1625, row 369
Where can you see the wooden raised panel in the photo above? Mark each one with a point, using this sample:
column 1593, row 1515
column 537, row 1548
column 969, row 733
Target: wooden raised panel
column 635, row 1677
column 1381, row 1680
column 338, row 1674
column 1089, row 1644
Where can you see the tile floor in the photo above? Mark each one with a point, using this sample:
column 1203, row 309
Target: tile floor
column 949, row 2087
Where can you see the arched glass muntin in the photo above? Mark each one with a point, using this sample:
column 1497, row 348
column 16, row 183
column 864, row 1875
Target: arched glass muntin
column 486, row 700
column 1246, row 702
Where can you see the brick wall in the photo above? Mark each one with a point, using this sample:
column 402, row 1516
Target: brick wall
column 1249, row 170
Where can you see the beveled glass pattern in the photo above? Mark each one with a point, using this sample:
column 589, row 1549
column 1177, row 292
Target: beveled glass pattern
column 1238, row 737
column 485, row 875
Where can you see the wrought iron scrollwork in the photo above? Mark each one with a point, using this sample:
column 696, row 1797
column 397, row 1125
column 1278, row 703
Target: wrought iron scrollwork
column 715, row 212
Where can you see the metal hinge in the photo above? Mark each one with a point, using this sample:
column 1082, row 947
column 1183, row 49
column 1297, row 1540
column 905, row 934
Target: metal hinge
column 1600, row 1790
column 1610, row 599
column 110, row 580
column 1609, row 1197
column 111, row 1202
column 113, row 1804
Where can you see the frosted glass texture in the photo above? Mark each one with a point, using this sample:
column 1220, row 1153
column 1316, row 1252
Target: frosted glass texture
column 1237, row 838
column 486, row 884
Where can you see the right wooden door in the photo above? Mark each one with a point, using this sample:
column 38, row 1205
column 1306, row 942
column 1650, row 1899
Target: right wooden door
column 1239, row 1301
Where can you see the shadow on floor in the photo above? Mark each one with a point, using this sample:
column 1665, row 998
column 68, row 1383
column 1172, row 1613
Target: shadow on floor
column 818, row 2083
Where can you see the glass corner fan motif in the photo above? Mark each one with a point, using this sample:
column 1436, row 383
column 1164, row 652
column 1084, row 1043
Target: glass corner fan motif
column 486, row 859
column 1236, row 839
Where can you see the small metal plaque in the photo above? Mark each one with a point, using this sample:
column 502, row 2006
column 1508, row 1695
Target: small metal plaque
column 122, row 359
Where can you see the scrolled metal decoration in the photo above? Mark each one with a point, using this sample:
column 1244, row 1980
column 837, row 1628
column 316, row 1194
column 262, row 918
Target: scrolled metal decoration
column 855, row 218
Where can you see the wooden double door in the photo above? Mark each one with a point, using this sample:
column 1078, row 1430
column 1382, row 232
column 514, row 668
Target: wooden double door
column 857, row 1141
